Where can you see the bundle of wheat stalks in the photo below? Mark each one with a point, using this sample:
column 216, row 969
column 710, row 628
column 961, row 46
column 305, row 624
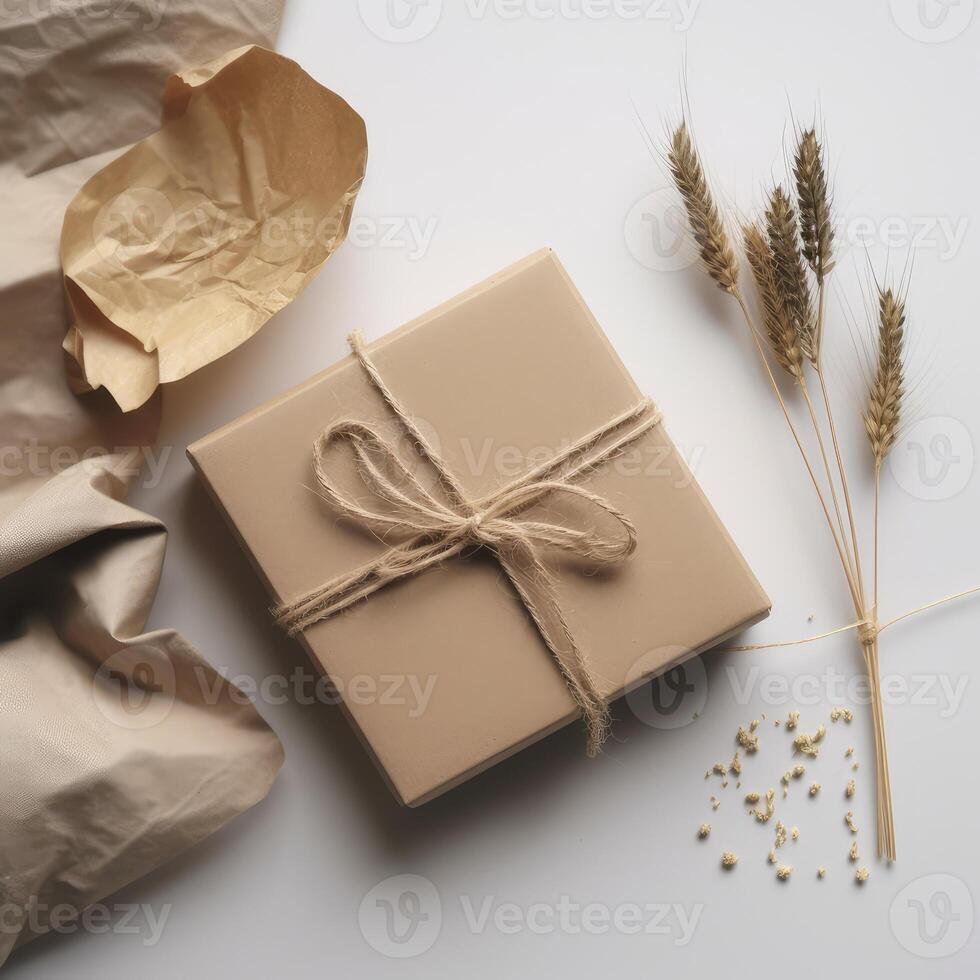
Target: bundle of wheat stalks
column 790, row 255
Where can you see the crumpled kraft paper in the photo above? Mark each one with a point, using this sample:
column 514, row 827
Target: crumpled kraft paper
column 186, row 245
column 118, row 749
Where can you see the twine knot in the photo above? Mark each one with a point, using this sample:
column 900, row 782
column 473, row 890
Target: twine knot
column 867, row 632
column 442, row 526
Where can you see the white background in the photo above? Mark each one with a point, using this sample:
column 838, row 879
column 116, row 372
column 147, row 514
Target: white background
column 497, row 133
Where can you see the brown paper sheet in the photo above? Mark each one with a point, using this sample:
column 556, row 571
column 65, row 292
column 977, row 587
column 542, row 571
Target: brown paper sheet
column 182, row 248
column 511, row 371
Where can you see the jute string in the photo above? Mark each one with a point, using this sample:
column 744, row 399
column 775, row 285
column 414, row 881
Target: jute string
column 442, row 530
column 868, row 631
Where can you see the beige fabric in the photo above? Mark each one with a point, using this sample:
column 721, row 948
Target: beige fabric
column 84, row 76
column 44, row 428
column 118, row 749
column 92, row 795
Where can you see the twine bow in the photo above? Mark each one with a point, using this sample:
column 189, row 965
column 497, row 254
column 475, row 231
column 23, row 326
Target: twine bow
column 444, row 529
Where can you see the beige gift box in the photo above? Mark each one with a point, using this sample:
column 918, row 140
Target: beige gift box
column 510, row 371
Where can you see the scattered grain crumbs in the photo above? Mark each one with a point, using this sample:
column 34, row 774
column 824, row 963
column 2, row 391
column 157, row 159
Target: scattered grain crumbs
column 849, row 820
column 855, row 767
column 821, row 872
column 814, row 788
column 720, row 768
column 747, row 740
column 784, row 871
column 792, row 720
column 850, row 789
column 798, row 772
column 776, row 723
column 844, row 713
column 754, row 724
column 715, row 803
column 752, row 797
column 735, row 766
column 729, row 860
column 850, row 751
column 808, row 744
column 772, row 857
column 861, row 875
column 795, row 833
column 763, row 815
column 780, row 833
column 704, row 830
column 853, row 855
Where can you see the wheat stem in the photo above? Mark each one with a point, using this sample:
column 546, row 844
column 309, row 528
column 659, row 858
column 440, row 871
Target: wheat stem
column 877, row 494
column 841, row 468
column 740, row 299
column 838, row 513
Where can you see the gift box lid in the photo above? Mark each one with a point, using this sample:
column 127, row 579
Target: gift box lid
column 444, row 673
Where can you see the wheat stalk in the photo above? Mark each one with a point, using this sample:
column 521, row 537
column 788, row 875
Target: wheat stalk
column 789, row 270
column 794, row 296
column 881, row 422
column 884, row 409
column 783, row 254
column 779, row 324
column 816, row 226
column 703, row 215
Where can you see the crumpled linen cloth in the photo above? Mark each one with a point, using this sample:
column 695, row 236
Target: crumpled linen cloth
column 83, row 76
column 118, row 749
